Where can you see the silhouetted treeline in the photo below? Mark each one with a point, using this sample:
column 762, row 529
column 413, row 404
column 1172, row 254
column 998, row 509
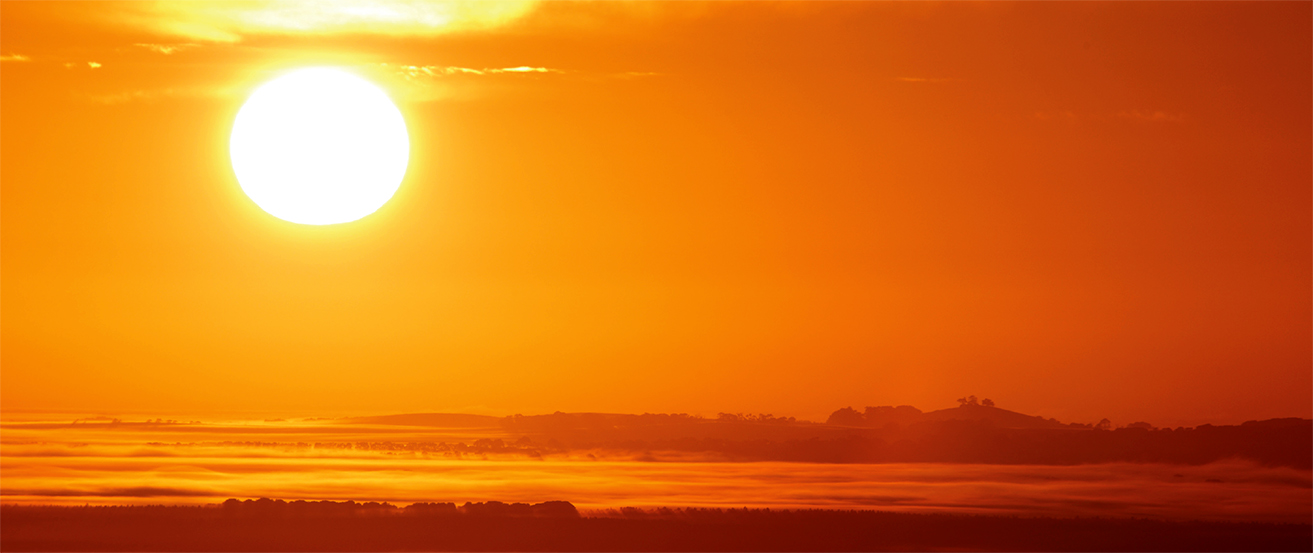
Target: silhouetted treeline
column 976, row 432
column 970, row 409
column 325, row 526
column 982, row 435
column 1271, row 443
column 973, row 433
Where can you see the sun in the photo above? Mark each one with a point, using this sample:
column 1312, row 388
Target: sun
column 319, row 146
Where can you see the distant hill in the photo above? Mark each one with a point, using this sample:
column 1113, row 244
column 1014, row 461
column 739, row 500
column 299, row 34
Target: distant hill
column 1001, row 418
column 434, row 420
column 976, row 432
column 903, row 415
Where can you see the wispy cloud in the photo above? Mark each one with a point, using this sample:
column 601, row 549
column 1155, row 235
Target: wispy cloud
column 423, row 71
column 14, row 57
column 442, row 82
column 224, row 21
column 524, row 69
column 153, row 95
column 411, row 82
column 166, row 49
column 114, row 492
column 416, row 83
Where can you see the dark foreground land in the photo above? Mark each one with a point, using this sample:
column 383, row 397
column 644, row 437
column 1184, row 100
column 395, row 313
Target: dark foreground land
column 266, row 525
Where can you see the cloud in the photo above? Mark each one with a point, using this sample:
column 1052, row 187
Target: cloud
column 524, row 69
column 425, row 83
column 152, row 95
column 412, row 72
column 220, row 21
column 166, row 49
column 93, row 65
column 419, row 71
column 14, row 57
column 133, row 491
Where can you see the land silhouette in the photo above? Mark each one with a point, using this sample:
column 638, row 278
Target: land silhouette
column 275, row 525
column 973, row 432
column 972, row 477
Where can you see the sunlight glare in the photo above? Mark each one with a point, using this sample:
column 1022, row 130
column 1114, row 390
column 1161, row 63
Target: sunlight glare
column 319, row 146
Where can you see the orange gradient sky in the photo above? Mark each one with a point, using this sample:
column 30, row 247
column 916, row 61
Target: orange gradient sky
column 1080, row 210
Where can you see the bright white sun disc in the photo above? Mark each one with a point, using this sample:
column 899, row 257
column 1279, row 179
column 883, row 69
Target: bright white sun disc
column 319, row 146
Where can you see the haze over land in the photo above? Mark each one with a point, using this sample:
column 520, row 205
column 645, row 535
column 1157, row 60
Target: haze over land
column 956, row 460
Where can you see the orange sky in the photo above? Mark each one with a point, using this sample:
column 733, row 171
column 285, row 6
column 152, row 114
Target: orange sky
column 1081, row 210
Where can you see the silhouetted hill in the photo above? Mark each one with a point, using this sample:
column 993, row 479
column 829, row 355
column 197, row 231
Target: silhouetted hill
column 1001, row 418
column 972, row 433
column 880, row 417
column 437, row 420
column 267, row 525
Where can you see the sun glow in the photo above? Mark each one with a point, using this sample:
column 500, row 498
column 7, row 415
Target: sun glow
column 319, row 146
column 228, row 21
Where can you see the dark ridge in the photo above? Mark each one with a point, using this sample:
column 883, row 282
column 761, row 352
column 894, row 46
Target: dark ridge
column 434, row 420
column 967, row 434
column 976, row 432
column 269, row 525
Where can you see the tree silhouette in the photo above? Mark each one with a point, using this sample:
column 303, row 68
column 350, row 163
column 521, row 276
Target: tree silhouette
column 987, row 402
column 847, row 417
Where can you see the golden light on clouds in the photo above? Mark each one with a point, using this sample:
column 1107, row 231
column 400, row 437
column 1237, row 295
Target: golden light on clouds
column 230, row 21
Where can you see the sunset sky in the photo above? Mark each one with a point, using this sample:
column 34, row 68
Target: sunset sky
column 1080, row 210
